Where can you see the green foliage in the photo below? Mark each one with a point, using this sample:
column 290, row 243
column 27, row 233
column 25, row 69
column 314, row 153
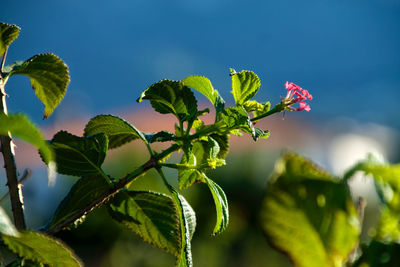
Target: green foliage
column 20, row 126
column 85, row 191
column 379, row 254
column 221, row 206
column 153, row 216
column 49, row 78
column 204, row 86
column 80, row 156
column 309, row 214
column 245, row 85
column 41, row 248
column 118, row 131
column 171, row 97
column 8, row 33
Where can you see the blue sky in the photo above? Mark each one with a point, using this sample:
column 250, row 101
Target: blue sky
column 346, row 53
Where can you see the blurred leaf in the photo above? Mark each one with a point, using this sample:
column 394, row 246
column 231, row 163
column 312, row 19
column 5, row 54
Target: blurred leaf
column 386, row 177
column 117, row 130
column 80, row 156
column 21, row 127
column 378, row 254
column 49, row 78
column 84, row 192
column 41, row 248
column 308, row 214
column 19, row 262
column 388, row 227
column 163, row 136
column 6, row 226
column 8, row 33
column 204, row 86
column 221, row 205
column 171, row 97
column 245, row 85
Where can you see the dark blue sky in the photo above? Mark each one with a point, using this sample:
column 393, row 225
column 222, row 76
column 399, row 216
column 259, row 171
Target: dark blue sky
column 346, row 53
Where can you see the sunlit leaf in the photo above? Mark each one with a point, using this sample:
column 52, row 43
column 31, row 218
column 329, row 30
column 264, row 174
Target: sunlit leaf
column 204, row 86
column 49, row 78
column 171, row 97
column 84, row 192
column 118, row 131
column 8, row 33
column 245, row 85
column 221, row 205
column 234, row 117
column 80, row 156
column 41, row 248
column 256, row 108
column 308, row 214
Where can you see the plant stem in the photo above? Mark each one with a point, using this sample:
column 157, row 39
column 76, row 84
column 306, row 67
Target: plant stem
column 151, row 163
column 278, row 108
column 9, row 162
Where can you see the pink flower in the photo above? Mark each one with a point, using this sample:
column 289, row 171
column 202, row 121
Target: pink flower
column 303, row 106
column 296, row 94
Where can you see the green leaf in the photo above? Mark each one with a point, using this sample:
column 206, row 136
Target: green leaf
column 171, row 97
column 84, row 192
column 8, row 33
column 245, row 85
column 309, row 215
column 203, row 155
column 117, row 130
column 221, row 205
column 204, row 86
column 187, row 222
column 379, row 254
column 80, row 156
column 234, row 117
column 156, row 218
column 6, row 226
column 387, row 180
column 41, row 248
column 223, row 143
column 256, row 108
column 21, row 127
column 49, row 78
column 153, row 216
column 163, row 136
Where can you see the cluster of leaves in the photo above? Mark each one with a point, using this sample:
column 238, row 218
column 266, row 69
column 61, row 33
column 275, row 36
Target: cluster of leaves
column 166, row 221
column 309, row 214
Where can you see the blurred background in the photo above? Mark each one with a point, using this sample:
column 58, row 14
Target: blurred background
column 346, row 53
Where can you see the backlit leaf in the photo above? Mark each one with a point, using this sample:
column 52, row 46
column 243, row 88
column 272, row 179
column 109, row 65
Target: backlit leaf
column 49, row 78
column 117, row 130
column 309, row 215
column 204, row 86
column 80, row 156
column 41, row 248
column 8, row 33
column 162, row 136
column 245, row 85
column 171, row 97
column 221, row 205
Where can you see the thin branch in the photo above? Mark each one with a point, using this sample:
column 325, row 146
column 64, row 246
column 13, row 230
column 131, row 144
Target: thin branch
column 7, row 149
column 361, row 204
